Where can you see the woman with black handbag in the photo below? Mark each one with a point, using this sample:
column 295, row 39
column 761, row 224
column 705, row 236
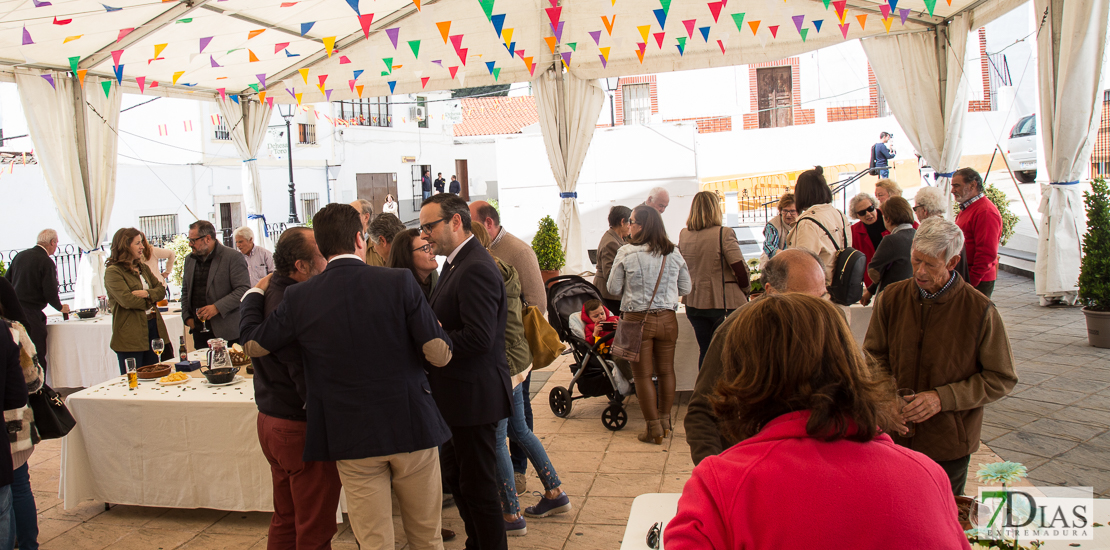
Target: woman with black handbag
column 22, row 443
column 717, row 269
column 649, row 277
column 14, row 395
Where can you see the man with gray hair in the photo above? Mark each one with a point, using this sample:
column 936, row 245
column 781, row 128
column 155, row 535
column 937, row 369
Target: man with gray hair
column 34, row 276
column 382, row 230
column 658, row 198
column 260, row 262
column 982, row 226
column 945, row 343
column 930, row 202
column 366, row 212
column 792, row 270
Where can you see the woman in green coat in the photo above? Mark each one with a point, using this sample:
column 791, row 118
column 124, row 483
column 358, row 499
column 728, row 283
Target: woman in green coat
column 133, row 293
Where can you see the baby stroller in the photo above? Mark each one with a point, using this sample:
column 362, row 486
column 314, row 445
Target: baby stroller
column 595, row 374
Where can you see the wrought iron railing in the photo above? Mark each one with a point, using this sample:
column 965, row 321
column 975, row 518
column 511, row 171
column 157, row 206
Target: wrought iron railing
column 66, row 258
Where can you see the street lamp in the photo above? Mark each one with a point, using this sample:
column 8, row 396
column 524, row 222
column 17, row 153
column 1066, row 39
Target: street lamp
column 288, row 116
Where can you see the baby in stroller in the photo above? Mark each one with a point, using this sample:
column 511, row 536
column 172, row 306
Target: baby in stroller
column 598, row 322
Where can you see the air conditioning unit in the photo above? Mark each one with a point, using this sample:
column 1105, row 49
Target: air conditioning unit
column 418, row 113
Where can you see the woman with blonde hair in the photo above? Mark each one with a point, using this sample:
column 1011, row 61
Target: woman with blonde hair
column 133, row 291
column 885, row 189
column 809, row 413
column 720, row 278
column 774, row 233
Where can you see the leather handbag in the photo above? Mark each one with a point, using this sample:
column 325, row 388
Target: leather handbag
column 52, row 417
column 630, row 334
column 543, row 341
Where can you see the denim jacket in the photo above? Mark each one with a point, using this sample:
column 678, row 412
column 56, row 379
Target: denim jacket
column 633, row 277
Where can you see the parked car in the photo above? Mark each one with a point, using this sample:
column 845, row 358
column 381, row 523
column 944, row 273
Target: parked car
column 1021, row 150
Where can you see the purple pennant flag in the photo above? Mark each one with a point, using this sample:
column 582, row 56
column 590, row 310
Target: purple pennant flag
column 27, row 37
column 558, row 31
column 566, row 58
column 327, row 95
column 49, row 78
column 596, row 35
column 39, row 5
column 204, row 44
column 292, row 93
column 603, row 62
column 213, row 61
column 798, row 21
column 261, row 79
column 904, row 13
column 438, row 62
column 392, row 34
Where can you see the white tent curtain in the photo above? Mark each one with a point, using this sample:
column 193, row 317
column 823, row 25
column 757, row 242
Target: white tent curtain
column 568, row 121
column 928, row 105
column 83, row 195
column 247, row 120
column 1070, row 48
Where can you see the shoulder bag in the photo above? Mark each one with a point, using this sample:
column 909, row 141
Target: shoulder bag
column 847, row 280
column 52, row 417
column 630, row 334
column 542, row 339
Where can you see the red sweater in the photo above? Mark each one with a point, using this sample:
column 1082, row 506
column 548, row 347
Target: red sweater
column 982, row 226
column 782, row 490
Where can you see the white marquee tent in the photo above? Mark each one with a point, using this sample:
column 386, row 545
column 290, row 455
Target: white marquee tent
column 65, row 53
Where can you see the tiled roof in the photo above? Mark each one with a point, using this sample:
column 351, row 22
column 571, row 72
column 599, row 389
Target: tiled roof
column 488, row 116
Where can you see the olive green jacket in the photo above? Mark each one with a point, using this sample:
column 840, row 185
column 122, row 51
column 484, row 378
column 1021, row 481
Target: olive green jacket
column 516, row 345
column 129, row 328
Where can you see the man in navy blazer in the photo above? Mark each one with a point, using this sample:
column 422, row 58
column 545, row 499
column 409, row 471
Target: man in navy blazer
column 473, row 390
column 372, row 413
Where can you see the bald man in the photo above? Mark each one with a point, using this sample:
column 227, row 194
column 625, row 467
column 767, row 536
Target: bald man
column 792, row 270
column 366, row 213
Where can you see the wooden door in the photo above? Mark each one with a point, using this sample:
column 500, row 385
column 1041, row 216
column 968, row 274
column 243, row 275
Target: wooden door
column 775, row 91
column 374, row 188
column 464, row 179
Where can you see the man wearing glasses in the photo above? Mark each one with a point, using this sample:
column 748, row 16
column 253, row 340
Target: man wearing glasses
column 214, row 279
column 472, row 391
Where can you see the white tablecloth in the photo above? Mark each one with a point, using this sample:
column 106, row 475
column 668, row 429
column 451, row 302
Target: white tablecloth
column 187, row 446
column 79, row 354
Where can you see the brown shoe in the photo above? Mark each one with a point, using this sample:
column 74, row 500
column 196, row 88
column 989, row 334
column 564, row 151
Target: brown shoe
column 447, row 534
column 665, row 421
column 653, row 433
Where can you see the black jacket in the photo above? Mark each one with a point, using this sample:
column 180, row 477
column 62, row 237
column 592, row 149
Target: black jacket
column 469, row 300
column 279, row 387
column 9, row 303
column 361, row 330
column 35, row 278
column 426, row 184
column 13, row 389
column 455, row 187
column 438, row 183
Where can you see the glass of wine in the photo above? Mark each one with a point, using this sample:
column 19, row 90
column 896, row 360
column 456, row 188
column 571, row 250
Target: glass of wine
column 204, row 325
column 158, row 345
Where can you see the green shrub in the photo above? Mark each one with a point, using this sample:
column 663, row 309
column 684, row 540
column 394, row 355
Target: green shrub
column 180, row 247
column 548, row 247
column 1094, row 270
column 3, row 268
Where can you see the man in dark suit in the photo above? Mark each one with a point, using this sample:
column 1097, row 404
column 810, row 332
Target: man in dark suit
column 473, row 390
column 372, row 413
column 35, row 279
column 213, row 280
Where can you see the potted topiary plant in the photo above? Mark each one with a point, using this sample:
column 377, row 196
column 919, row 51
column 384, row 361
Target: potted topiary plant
column 1094, row 269
column 549, row 249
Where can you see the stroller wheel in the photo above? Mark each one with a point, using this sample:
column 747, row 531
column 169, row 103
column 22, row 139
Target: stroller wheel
column 614, row 417
column 559, row 398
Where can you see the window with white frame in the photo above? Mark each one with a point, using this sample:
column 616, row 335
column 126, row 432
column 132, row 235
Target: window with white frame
column 637, row 103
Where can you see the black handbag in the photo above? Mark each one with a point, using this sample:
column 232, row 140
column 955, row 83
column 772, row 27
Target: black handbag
column 52, row 417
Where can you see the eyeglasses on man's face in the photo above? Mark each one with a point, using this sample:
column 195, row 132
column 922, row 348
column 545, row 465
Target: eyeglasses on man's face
column 426, row 249
column 428, row 227
column 193, row 240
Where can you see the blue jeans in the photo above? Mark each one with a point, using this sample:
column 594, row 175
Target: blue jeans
column 25, row 520
column 516, row 428
column 7, row 533
column 884, row 174
column 516, row 453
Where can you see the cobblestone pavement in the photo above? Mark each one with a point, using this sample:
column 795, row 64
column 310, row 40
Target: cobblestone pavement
column 1056, row 421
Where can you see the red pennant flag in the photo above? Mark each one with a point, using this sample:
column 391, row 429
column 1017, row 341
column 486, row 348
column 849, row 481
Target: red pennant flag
column 453, row 70
column 722, row 45
column 553, row 15
column 659, row 36
column 365, row 21
column 123, row 33
column 690, row 27
column 774, row 31
column 715, row 9
column 280, row 46
column 424, row 81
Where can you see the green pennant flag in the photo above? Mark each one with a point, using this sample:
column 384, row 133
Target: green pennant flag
column 804, row 32
column 73, row 61
column 487, row 6
column 254, row 87
column 388, row 64
column 496, row 73
column 930, row 4
column 385, row 73
column 666, row 4
column 826, row 3
column 107, row 85
column 188, row 20
column 682, row 41
column 235, row 50
column 738, row 18
column 415, row 45
column 573, row 46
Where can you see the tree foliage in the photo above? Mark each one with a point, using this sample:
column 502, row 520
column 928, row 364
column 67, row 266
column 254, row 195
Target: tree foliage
column 548, row 248
column 1094, row 271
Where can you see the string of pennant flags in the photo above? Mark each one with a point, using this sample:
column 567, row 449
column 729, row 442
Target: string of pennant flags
column 187, row 125
column 653, row 31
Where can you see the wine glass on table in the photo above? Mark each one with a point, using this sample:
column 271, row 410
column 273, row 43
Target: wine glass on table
column 158, row 345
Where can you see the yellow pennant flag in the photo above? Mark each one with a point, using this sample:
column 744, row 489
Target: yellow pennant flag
column 321, row 86
column 329, row 44
column 72, row 38
column 605, row 53
column 304, row 74
column 644, row 31
column 507, row 34
column 158, row 49
column 176, row 76
column 299, row 98
column 887, row 22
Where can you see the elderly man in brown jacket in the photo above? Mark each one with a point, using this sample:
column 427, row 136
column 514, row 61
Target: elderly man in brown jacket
column 619, row 227
column 945, row 341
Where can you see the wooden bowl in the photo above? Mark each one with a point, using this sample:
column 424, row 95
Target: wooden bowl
column 153, row 371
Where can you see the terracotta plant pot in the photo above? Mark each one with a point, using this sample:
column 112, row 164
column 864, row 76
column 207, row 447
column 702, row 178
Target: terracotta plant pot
column 548, row 274
column 1098, row 328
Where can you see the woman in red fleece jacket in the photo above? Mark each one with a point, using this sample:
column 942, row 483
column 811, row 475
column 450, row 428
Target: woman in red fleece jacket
column 812, row 469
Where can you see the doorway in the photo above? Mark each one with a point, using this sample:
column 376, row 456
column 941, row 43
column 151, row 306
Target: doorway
column 775, row 93
column 464, row 179
column 417, row 185
column 374, row 188
column 229, row 216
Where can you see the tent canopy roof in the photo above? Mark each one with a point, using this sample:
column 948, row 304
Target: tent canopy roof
column 203, row 46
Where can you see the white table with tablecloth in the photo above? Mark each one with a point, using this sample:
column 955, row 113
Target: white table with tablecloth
column 79, row 353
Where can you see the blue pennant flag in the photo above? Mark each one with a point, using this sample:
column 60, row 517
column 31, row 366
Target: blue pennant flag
column 498, row 22
column 305, row 27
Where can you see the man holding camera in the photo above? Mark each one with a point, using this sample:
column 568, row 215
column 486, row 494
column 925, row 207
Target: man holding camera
column 881, row 153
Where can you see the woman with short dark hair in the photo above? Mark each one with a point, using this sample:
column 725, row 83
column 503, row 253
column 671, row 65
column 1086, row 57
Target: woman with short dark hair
column 133, row 292
column 809, row 413
column 813, row 198
column 410, row 251
column 649, row 277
